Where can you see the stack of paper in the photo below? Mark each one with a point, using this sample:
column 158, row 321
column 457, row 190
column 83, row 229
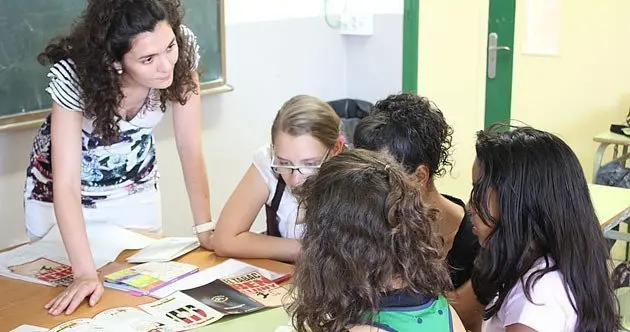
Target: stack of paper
column 106, row 243
column 165, row 249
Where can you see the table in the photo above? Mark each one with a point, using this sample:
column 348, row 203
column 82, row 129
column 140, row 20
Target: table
column 23, row 303
column 612, row 205
column 604, row 140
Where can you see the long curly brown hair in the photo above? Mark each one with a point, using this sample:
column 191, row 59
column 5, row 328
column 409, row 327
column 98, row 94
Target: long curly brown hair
column 366, row 228
column 101, row 36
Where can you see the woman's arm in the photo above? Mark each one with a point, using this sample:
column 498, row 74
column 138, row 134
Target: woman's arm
column 232, row 237
column 66, row 160
column 465, row 302
column 187, row 127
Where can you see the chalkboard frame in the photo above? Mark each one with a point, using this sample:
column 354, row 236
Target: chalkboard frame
column 34, row 118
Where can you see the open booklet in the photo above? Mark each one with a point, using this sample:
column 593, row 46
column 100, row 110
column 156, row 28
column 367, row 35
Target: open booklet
column 241, row 294
column 184, row 311
column 226, row 296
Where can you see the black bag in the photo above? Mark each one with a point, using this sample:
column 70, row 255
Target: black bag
column 351, row 111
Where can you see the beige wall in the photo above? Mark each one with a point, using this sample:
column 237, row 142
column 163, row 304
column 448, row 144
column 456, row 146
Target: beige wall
column 587, row 87
column 575, row 95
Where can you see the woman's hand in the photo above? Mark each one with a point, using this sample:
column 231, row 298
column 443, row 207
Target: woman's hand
column 82, row 287
column 206, row 240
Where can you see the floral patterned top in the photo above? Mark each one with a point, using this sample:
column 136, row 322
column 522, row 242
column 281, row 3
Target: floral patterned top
column 110, row 171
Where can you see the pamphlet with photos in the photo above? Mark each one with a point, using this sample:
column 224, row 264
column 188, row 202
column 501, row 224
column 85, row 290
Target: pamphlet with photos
column 45, row 270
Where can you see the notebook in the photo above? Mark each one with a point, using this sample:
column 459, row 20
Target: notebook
column 149, row 277
column 165, row 249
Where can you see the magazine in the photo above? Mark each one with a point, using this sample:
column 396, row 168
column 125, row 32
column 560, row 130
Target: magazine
column 227, row 296
column 46, row 270
column 241, row 294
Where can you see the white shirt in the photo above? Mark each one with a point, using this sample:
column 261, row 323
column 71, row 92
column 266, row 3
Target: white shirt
column 288, row 208
column 550, row 312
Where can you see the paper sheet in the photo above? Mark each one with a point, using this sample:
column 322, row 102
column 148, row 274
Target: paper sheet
column 542, row 27
column 29, row 328
column 106, row 243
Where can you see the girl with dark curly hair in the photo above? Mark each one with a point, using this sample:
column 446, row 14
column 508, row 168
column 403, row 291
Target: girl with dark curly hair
column 415, row 132
column 111, row 80
column 371, row 258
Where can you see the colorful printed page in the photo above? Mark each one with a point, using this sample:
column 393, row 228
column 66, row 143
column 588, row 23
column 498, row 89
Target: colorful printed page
column 151, row 276
column 46, row 270
column 259, row 288
column 182, row 312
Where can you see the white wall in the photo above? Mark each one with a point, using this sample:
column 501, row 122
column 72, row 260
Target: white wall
column 275, row 49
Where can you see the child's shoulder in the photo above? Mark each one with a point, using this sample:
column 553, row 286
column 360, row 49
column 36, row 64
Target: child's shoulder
column 550, row 302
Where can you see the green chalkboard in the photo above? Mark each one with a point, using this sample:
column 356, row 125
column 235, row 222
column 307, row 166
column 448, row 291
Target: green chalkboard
column 26, row 27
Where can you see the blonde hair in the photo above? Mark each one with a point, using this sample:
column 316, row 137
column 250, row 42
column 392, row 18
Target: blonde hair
column 307, row 115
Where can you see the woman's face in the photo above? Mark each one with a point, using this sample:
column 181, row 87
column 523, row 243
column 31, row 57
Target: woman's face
column 151, row 60
column 479, row 227
column 296, row 151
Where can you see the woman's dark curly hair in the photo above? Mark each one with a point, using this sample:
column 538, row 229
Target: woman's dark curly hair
column 412, row 129
column 102, row 36
column 366, row 228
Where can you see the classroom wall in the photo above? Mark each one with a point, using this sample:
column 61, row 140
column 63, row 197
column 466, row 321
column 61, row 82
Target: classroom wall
column 576, row 94
column 275, row 49
column 579, row 93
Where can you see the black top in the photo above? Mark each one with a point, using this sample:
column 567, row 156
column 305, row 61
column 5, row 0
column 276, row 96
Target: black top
column 461, row 257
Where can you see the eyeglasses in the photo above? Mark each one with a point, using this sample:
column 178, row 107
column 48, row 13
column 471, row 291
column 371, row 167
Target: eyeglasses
column 303, row 169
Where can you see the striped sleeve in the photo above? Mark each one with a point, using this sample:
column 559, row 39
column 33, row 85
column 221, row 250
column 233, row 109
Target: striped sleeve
column 64, row 85
column 190, row 41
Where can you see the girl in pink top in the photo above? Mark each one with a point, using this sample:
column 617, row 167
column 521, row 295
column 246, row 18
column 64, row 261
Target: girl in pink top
column 543, row 262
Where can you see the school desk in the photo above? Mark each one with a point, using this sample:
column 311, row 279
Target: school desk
column 23, row 302
column 612, row 205
column 606, row 139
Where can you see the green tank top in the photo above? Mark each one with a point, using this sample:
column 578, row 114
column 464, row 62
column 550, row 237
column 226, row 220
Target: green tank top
column 405, row 312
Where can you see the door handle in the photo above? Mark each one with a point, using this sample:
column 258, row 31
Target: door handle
column 493, row 48
column 499, row 48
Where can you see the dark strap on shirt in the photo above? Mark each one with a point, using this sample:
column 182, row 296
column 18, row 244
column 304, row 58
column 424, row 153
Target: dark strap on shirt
column 272, row 210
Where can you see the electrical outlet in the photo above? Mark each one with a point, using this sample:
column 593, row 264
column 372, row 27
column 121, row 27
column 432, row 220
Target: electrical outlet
column 356, row 24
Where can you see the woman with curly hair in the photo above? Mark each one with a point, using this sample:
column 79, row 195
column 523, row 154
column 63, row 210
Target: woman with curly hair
column 371, row 257
column 111, row 81
column 415, row 132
